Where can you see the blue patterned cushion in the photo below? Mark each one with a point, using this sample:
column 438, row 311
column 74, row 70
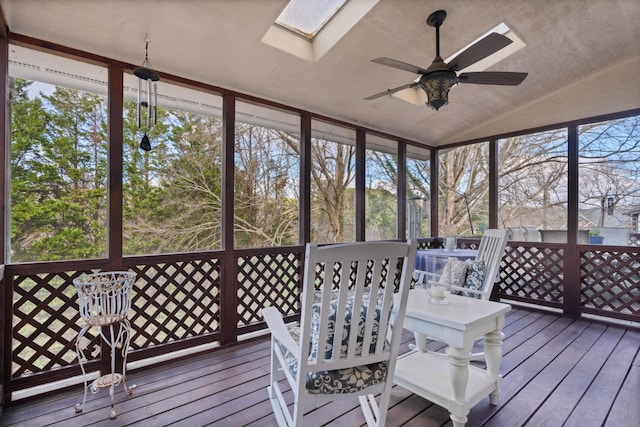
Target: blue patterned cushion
column 348, row 380
column 476, row 270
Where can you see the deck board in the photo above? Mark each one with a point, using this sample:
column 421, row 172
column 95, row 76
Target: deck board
column 600, row 396
column 557, row 371
column 625, row 409
column 562, row 401
column 529, row 398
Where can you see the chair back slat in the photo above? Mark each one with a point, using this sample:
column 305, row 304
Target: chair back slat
column 339, row 325
column 517, row 234
column 386, row 306
column 325, row 307
column 374, row 288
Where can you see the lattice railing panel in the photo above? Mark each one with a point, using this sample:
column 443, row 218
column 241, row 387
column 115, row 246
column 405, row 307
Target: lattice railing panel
column 430, row 243
column 533, row 273
column 175, row 301
column 45, row 323
column 267, row 280
column 610, row 281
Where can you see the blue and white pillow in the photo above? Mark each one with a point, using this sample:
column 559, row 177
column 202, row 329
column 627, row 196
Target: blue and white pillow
column 476, row 271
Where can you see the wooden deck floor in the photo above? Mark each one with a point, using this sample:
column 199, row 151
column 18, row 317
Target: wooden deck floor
column 557, row 372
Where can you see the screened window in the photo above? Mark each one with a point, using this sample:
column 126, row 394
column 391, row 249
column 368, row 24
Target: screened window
column 332, row 183
column 418, row 192
column 464, row 183
column 381, row 181
column 58, row 194
column 609, row 189
column 532, row 189
column 267, row 176
column 172, row 192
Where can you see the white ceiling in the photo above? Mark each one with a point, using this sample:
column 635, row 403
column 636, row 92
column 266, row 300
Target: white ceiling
column 582, row 56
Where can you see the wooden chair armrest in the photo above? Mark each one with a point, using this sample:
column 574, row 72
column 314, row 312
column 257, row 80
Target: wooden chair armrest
column 278, row 329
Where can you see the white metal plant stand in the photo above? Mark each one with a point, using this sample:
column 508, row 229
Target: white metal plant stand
column 104, row 302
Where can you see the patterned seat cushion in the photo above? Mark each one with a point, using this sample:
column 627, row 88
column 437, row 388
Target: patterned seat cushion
column 346, row 380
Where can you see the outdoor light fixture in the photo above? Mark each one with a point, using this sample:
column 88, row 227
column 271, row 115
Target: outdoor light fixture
column 146, row 73
column 436, row 85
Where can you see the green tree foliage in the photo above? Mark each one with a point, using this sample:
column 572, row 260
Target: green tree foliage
column 380, row 214
column 171, row 194
column 173, row 191
column 58, row 175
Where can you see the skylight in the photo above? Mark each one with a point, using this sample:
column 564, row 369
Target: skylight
column 308, row 18
column 308, row 29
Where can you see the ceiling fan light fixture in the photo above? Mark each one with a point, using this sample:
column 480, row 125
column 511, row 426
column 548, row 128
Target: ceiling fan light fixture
column 441, row 76
column 436, row 85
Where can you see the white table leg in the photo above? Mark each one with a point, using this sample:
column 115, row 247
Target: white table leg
column 459, row 374
column 493, row 357
column 421, row 342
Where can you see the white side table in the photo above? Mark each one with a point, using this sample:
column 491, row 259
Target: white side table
column 104, row 302
column 452, row 382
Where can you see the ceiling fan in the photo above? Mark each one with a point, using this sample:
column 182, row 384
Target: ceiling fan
column 440, row 76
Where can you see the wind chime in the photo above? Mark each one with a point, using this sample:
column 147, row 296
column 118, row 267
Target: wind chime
column 147, row 74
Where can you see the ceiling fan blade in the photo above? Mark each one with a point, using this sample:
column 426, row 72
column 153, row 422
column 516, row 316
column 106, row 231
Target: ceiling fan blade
column 399, row 65
column 480, row 50
column 503, row 78
column 391, row 91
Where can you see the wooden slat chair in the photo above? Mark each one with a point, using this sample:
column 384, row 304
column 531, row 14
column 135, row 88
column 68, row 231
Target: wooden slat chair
column 347, row 288
column 490, row 252
column 481, row 275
